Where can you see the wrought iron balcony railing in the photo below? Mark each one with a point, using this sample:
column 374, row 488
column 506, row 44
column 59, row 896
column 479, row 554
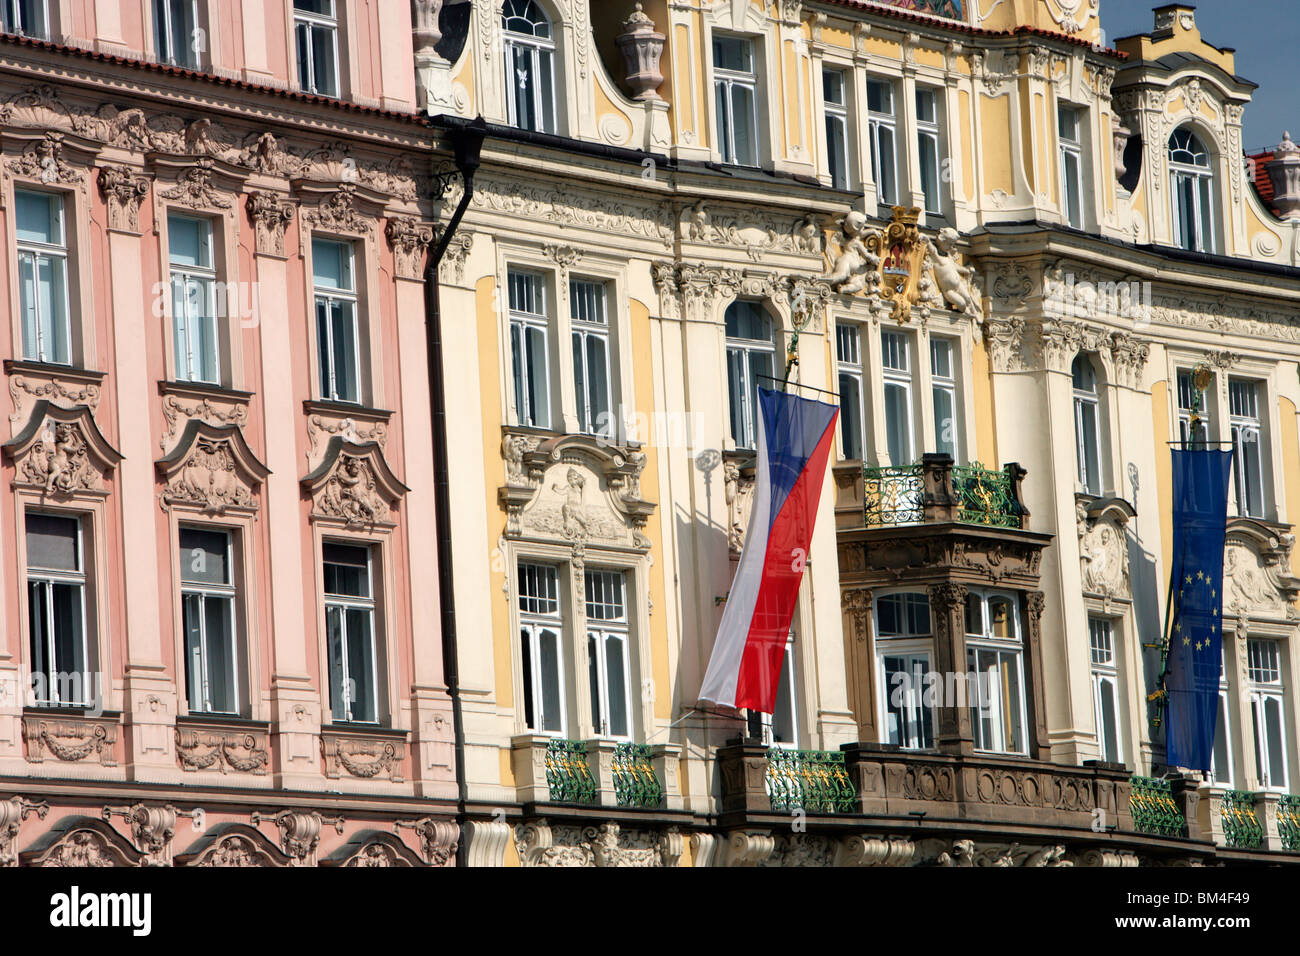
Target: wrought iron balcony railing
column 568, row 772
column 814, row 781
column 935, row 490
column 635, row 781
column 1288, row 822
column 1241, row 826
column 1154, row 809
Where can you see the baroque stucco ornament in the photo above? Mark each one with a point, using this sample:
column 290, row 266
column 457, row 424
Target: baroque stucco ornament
column 353, row 485
column 1103, row 546
column 211, row 468
column 61, row 452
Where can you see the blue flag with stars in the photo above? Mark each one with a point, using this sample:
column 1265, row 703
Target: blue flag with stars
column 1196, row 633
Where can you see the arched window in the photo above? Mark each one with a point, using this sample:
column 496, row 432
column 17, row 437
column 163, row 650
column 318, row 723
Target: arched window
column 530, row 66
column 1191, row 191
column 750, row 356
column 1086, row 428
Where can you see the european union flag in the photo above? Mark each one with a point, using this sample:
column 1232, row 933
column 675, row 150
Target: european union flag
column 1196, row 587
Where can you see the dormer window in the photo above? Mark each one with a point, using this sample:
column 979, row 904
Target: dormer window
column 530, row 66
column 1191, row 189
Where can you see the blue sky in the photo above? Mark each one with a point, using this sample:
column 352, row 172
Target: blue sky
column 1264, row 34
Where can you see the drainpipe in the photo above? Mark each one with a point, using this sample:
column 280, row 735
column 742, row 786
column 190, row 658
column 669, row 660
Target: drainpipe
column 467, row 142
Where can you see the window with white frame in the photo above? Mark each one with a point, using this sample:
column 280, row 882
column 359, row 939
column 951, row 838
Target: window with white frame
column 1268, row 711
column 904, row 651
column 1069, row 137
column 835, row 103
column 208, row 594
column 848, row 356
column 530, row 362
column 1191, row 192
column 316, row 37
column 177, row 38
column 1221, row 756
column 29, row 18
column 56, row 610
column 1087, row 424
column 541, row 637
column 750, row 357
column 1192, row 400
column 194, row 301
column 781, row 727
column 994, row 653
column 529, row 65
column 337, row 330
column 43, row 276
column 943, row 391
column 1247, row 443
column 928, row 152
column 896, row 361
column 591, row 376
column 608, row 649
column 1105, row 688
column 882, row 127
column 350, row 632
column 735, row 94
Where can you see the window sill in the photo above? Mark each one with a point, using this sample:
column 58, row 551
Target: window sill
column 204, row 390
column 23, row 367
column 224, row 721
column 315, row 406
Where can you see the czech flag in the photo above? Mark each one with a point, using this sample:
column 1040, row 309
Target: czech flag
column 794, row 443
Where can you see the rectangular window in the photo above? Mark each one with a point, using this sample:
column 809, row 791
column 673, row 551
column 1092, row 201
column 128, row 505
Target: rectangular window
column 529, row 349
column 994, row 656
column 608, row 648
column 194, row 303
column 591, row 378
column 29, row 18
column 1087, row 420
column 1221, row 757
column 350, row 632
column 905, row 645
column 750, row 358
column 895, row 356
column 780, row 728
column 735, row 90
column 1070, row 138
column 882, row 127
column 208, row 595
column 541, row 630
column 56, row 610
column 316, row 36
column 928, row 152
column 848, row 354
column 1192, row 400
column 176, row 32
column 337, row 333
column 836, row 105
column 43, row 277
column 1105, row 688
column 943, row 392
column 1268, row 712
column 1247, row 443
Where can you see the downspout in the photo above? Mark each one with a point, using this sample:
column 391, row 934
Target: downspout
column 466, row 142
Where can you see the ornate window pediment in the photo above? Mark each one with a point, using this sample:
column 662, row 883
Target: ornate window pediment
column 1103, row 546
column 342, row 207
column 234, row 844
column 62, row 451
column 81, row 842
column 373, row 848
column 211, row 468
column 200, row 182
column 574, row 490
column 354, row 486
column 1257, row 579
column 50, row 157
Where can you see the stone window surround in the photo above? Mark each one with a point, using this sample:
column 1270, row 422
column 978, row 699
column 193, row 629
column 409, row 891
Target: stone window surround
column 346, row 27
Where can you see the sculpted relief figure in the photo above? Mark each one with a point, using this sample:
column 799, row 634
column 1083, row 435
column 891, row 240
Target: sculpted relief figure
column 575, row 520
column 856, row 267
column 954, row 281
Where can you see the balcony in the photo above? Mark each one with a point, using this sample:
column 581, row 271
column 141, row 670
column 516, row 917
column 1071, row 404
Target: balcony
column 933, row 490
column 596, row 773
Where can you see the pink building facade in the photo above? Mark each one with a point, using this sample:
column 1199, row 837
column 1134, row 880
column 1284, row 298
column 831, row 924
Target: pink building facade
column 218, row 577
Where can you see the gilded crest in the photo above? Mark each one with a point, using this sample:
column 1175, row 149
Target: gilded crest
column 901, row 251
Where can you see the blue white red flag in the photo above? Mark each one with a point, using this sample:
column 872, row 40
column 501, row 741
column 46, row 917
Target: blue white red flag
column 794, row 443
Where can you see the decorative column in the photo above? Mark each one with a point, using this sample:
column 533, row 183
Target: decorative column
column 948, row 613
column 1035, row 603
column 150, row 691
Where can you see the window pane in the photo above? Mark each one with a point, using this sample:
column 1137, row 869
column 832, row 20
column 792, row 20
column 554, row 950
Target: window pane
column 1221, row 761
column 52, row 542
column 326, row 70
column 837, row 151
column 851, row 416
column 722, row 109
column 783, row 720
column 302, row 44
column 189, row 241
column 880, row 97
column 52, row 280
column 192, row 622
column 887, row 180
column 537, row 377
column 1089, row 466
column 928, row 156
column 40, row 217
column 331, row 264
column 346, row 570
column 945, row 423
column 1275, row 742
column 219, row 617
column 28, row 304
column 1205, row 227
column 733, row 53
column 338, row 667
column 748, row 320
column 736, row 396
column 1109, row 729
column 38, row 628
column 746, row 137
column 526, row 655
column 598, row 382
column 546, row 90
column 69, row 639
column 616, row 674
column 1011, row 693
column 361, row 664
column 1071, row 186
column 344, row 330
column 204, row 556
column 898, row 424
column 325, row 355
column 593, row 679
column 552, row 702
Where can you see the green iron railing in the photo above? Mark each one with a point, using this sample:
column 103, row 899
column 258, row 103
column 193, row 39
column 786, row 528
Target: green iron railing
column 1154, row 809
column 986, row 496
column 567, row 772
column 1241, row 826
column 1288, row 822
column 893, row 495
column 635, row 783
column 814, row 781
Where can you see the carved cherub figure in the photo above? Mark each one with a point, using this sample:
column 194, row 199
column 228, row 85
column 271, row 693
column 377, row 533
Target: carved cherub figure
column 954, row 280
column 61, row 474
column 855, row 265
column 575, row 521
